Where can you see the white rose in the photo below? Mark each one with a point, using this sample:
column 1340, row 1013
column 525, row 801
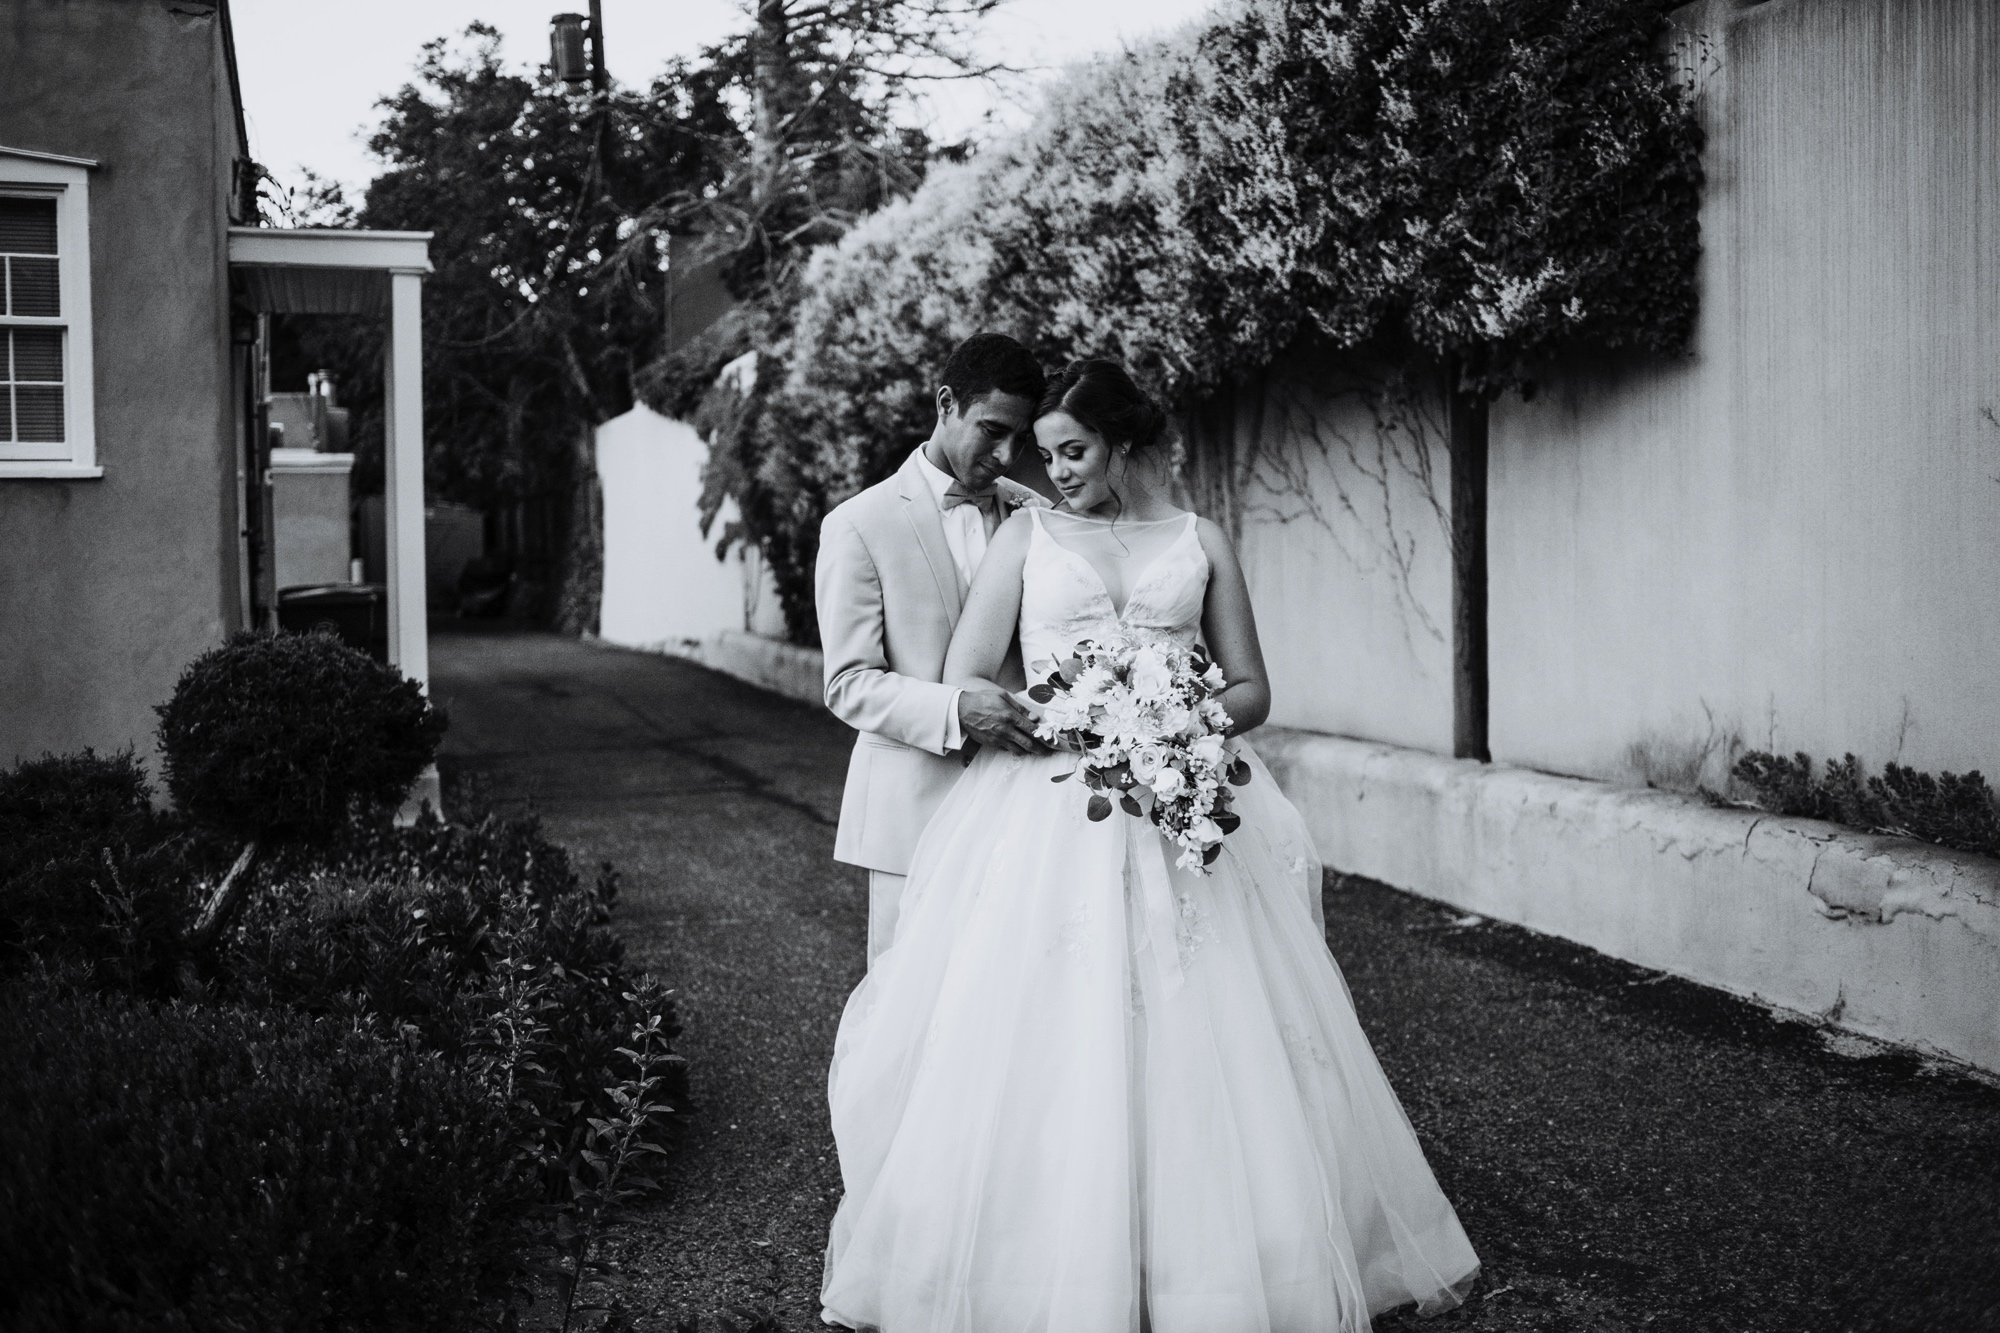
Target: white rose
column 1168, row 783
column 1147, row 761
column 1213, row 677
column 1207, row 830
column 1207, row 750
column 1150, row 676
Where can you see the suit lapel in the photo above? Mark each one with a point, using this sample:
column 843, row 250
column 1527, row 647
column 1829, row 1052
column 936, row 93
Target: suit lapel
column 920, row 507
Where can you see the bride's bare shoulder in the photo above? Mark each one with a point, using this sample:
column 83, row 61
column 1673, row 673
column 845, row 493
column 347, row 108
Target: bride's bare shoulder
column 1215, row 542
column 1012, row 535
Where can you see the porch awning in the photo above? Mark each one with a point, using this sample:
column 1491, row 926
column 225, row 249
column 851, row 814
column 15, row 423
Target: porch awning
column 321, row 272
column 380, row 273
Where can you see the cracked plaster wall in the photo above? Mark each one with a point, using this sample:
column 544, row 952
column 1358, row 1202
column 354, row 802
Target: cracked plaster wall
column 1888, row 938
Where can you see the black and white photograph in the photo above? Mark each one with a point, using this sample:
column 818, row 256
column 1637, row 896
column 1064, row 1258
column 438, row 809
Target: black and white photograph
column 1000, row 666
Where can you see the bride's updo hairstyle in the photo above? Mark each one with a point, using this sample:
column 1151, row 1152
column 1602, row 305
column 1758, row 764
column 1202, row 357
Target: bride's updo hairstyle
column 1099, row 394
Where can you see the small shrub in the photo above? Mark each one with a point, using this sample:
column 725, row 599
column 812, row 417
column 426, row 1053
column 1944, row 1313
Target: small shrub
column 483, row 943
column 183, row 1167
column 494, row 851
column 1954, row 810
column 89, row 871
column 293, row 733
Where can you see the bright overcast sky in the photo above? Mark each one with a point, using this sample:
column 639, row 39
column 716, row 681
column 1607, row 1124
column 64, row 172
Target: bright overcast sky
column 311, row 73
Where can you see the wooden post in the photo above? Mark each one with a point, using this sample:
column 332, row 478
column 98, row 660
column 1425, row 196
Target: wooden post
column 1467, row 414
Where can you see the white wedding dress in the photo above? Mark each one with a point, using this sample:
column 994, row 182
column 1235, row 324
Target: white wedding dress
column 1085, row 1092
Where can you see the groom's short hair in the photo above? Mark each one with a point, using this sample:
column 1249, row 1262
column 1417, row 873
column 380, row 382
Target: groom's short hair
column 992, row 363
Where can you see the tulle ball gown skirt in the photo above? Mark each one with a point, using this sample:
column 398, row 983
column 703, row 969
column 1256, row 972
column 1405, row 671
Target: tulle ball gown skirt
column 1085, row 1092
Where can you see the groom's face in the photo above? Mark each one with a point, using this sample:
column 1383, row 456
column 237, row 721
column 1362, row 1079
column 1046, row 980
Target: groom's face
column 981, row 438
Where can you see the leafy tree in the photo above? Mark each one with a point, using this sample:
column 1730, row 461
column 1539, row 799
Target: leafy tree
column 552, row 210
column 1457, row 189
column 546, row 290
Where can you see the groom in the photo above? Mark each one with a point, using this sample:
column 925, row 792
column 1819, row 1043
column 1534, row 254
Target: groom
column 895, row 562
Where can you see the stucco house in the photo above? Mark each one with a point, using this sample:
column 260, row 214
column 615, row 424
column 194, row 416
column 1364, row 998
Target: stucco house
column 135, row 510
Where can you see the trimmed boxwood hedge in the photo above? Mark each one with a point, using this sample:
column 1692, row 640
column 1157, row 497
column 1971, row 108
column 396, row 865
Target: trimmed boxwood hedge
column 293, row 733
column 369, row 1100
column 206, row 1167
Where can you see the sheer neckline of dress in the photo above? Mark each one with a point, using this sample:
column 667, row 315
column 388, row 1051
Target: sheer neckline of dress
column 1119, row 568
column 1071, row 514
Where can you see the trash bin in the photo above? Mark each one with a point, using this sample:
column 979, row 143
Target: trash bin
column 358, row 613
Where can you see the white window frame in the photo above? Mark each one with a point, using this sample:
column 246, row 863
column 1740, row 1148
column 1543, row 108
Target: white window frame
column 25, row 174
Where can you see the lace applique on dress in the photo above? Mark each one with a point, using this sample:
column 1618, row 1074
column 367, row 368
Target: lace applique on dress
column 1304, row 1046
column 1192, row 928
column 1077, row 932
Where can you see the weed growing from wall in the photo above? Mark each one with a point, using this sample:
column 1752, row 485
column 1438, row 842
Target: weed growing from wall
column 1954, row 810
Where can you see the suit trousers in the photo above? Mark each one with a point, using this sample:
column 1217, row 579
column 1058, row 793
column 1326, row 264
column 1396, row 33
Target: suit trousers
column 885, row 894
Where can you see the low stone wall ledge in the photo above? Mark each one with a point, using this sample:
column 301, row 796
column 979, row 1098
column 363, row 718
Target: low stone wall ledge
column 771, row 664
column 1889, row 938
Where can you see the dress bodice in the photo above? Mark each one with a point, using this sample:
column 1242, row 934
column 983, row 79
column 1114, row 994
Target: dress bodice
column 1065, row 597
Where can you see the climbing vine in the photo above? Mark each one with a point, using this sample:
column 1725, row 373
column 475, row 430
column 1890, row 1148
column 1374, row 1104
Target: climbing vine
column 1465, row 187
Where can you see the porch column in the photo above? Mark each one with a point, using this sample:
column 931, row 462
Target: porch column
column 403, row 477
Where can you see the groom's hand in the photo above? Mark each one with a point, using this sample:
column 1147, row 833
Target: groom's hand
column 996, row 718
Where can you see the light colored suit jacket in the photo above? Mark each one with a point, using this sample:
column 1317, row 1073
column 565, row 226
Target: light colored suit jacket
column 889, row 596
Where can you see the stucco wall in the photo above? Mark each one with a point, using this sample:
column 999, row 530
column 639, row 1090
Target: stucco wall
column 1793, row 537
column 1788, row 540
column 663, row 586
column 109, row 587
column 1347, row 564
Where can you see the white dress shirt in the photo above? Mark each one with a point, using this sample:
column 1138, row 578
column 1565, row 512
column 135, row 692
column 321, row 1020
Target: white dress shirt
column 964, row 526
column 965, row 537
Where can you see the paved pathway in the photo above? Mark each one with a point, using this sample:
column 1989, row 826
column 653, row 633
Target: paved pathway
column 1627, row 1152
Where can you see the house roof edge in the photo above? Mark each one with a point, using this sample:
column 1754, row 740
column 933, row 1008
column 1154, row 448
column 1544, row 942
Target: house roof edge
column 37, row 155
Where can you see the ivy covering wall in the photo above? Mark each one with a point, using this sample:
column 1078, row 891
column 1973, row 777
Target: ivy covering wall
column 1457, row 186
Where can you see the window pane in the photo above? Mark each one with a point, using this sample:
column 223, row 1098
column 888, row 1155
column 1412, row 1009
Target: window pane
column 6, row 413
column 38, row 355
column 39, row 408
column 35, row 287
column 28, row 226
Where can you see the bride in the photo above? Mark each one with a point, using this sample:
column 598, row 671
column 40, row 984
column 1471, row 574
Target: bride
column 1052, row 1118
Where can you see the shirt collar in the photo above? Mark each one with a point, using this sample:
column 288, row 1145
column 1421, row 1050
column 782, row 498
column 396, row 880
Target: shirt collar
column 940, row 480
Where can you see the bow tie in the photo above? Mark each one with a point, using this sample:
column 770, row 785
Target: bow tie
column 988, row 501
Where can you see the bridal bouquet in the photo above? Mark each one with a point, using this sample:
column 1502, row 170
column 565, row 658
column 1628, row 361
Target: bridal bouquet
column 1142, row 712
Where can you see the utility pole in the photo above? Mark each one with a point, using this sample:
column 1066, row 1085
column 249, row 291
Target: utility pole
column 600, row 81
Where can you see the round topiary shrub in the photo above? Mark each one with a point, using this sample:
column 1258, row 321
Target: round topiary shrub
column 293, row 734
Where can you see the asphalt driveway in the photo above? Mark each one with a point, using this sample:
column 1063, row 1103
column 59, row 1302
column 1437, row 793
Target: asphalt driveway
column 1627, row 1151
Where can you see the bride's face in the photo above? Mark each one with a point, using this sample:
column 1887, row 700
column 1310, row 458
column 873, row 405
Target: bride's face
column 1078, row 459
